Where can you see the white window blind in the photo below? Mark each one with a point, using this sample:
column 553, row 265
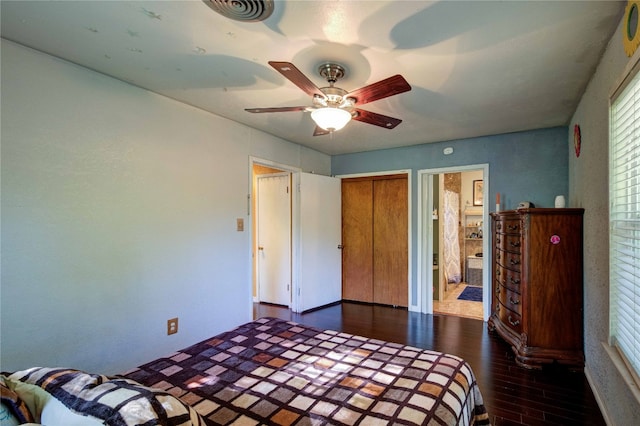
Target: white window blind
column 624, row 222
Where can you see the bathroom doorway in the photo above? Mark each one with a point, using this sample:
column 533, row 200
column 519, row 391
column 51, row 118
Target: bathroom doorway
column 454, row 216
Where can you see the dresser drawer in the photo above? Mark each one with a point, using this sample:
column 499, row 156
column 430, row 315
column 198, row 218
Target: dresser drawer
column 508, row 278
column 511, row 319
column 508, row 225
column 508, row 242
column 508, row 260
column 511, row 300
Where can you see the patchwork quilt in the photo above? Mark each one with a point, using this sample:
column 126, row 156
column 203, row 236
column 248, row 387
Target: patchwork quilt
column 93, row 399
column 272, row 371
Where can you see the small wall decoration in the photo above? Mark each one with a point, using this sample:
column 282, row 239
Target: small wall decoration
column 631, row 27
column 477, row 192
column 577, row 139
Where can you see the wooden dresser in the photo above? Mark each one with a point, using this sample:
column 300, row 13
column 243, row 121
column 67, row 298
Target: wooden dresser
column 537, row 304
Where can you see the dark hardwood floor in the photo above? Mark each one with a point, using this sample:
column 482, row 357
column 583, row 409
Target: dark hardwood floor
column 512, row 395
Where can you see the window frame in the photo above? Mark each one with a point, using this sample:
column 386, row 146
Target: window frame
column 629, row 372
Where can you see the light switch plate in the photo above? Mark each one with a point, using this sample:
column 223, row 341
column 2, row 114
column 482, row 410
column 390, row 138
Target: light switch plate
column 240, row 224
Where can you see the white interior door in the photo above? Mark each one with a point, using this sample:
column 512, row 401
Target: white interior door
column 320, row 268
column 273, row 223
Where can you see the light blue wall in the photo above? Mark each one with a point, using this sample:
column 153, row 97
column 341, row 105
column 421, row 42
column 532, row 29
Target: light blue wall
column 589, row 188
column 119, row 211
column 525, row 166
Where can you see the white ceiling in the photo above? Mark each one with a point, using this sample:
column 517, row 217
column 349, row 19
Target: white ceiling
column 476, row 67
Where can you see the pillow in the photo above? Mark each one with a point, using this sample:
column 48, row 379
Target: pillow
column 112, row 400
column 46, row 409
column 13, row 408
column 55, row 413
column 7, row 418
column 34, row 397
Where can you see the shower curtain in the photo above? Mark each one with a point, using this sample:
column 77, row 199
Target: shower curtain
column 452, row 271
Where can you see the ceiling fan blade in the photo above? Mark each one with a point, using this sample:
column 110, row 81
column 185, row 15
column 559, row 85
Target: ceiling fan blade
column 376, row 119
column 294, row 75
column 382, row 89
column 276, row 109
column 319, row 131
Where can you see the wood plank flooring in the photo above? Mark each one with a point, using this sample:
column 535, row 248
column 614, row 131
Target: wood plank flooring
column 512, row 395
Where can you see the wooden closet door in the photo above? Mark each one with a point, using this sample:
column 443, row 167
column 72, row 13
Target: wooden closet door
column 357, row 240
column 390, row 242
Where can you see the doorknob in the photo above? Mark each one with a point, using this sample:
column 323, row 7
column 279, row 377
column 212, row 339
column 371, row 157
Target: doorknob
column 340, row 246
column 260, row 248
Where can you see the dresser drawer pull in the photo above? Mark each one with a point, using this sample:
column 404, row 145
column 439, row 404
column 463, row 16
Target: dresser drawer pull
column 498, row 226
column 514, row 281
column 498, row 289
column 512, row 227
column 514, row 302
column 497, row 308
column 514, row 323
column 498, row 272
column 515, row 243
column 514, row 262
column 498, row 256
column 498, row 240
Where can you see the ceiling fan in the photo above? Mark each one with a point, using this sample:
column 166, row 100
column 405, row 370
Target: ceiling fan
column 334, row 107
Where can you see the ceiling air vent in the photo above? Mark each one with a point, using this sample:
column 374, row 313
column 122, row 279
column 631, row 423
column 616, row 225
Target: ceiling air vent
column 242, row 10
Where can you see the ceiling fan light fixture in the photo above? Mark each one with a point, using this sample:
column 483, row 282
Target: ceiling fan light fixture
column 330, row 118
column 333, row 107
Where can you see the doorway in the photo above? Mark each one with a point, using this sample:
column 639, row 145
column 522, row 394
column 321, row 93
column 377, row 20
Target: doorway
column 271, row 221
column 453, row 253
column 273, row 230
column 312, row 260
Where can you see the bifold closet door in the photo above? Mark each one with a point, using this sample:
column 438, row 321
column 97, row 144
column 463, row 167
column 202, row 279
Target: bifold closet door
column 390, row 236
column 375, row 240
column 357, row 240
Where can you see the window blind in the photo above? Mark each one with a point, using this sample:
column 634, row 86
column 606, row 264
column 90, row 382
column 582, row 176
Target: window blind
column 624, row 222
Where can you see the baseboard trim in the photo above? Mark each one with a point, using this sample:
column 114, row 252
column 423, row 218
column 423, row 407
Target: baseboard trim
column 596, row 394
column 358, row 302
column 322, row 307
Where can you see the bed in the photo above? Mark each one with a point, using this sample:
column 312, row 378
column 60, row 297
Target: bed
column 272, row 371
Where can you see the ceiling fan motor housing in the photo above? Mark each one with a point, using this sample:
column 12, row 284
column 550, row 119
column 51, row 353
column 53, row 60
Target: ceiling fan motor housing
column 332, row 72
column 334, row 97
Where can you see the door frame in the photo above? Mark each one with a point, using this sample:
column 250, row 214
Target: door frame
column 295, row 223
column 426, row 232
column 409, row 223
column 286, row 177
